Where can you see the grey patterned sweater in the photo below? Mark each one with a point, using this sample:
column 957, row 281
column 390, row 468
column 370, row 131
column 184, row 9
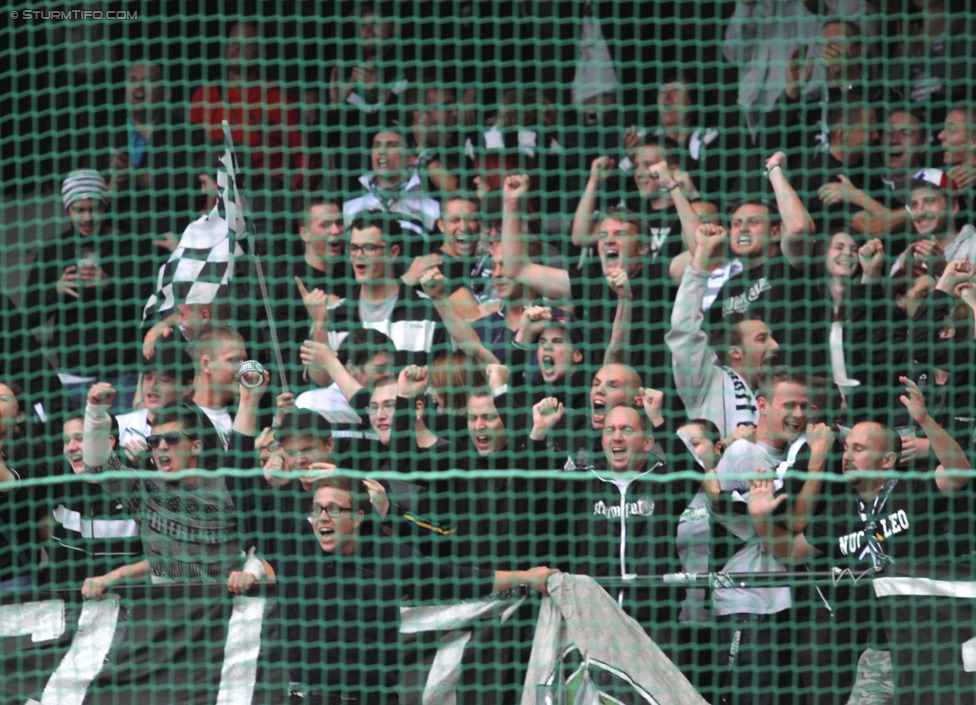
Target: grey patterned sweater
column 189, row 531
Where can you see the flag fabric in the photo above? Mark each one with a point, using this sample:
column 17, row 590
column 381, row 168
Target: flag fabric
column 202, row 266
column 186, row 644
column 620, row 661
column 199, row 645
column 931, row 624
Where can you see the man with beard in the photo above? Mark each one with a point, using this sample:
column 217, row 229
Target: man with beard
column 934, row 203
column 725, row 393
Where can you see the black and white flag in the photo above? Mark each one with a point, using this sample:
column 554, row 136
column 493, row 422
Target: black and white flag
column 201, row 267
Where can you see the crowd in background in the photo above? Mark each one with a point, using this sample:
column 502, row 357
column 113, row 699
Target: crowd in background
column 698, row 307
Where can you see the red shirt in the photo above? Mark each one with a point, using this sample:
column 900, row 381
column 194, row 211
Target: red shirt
column 264, row 118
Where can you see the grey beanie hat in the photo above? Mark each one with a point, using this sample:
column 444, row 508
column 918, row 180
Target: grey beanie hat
column 82, row 184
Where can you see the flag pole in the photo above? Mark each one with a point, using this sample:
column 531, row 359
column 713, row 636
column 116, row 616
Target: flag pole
column 237, row 223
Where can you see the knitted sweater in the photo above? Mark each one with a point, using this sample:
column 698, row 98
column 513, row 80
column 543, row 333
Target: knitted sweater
column 189, row 531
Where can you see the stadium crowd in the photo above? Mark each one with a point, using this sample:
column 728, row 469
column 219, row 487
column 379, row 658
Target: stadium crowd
column 748, row 343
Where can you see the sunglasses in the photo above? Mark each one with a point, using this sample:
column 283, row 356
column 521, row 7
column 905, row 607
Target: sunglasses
column 172, row 438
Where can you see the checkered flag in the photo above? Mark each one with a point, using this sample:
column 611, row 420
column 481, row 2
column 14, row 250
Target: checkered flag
column 201, row 267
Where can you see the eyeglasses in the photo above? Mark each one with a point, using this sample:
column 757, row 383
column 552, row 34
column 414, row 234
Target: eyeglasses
column 270, row 447
column 387, row 406
column 367, row 248
column 171, row 438
column 333, row 511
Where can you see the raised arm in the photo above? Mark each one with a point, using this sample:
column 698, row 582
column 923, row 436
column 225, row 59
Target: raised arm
column 617, row 347
column 320, row 356
column 457, row 326
column 797, row 226
column 317, row 304
column 952, row 458
column 582, row 232
column 682, row 189
column 686, row 339
column 549, row 282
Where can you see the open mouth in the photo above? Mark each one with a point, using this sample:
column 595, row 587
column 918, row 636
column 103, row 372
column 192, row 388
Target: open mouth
column 164, row 462
column 743, row 241
column 612, row 256
column 382, row 163
column 793, row 426
column 359, row 269
column 598, row 410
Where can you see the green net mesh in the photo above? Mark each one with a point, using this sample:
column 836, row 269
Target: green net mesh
column 332, row 330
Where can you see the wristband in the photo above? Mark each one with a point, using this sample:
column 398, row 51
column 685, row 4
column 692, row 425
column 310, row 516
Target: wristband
column 769, row 169
column 672, row 187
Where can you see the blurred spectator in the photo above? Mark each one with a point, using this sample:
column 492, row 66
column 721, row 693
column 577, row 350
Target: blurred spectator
column 323, row 267
column 835, row 179
column 265, row 123
column 432, row 116
column 393, row 186
column 367, row 355
column 88, row 281
column 91, row 532
column 153, row 156
column 934, row 205
column 958, row 139
column 166, row 377
column 933, row 59
column 217, row 354
column 22, row 508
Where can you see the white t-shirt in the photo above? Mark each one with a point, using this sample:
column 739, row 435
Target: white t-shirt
column 330, row 402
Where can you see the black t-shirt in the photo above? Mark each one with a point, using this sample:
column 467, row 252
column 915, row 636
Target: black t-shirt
column 596, row 305
column 97, row 333
column 908, row 525
column 292, row 321
column 779, row 294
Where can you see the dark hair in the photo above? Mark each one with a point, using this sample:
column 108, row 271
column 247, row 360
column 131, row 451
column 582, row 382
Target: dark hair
column 356, row 488
column 771, row 209
column 170, row 357
column 197, row 426
column 113, row 430
column 728, row 333
column 362, row 345
column 185, row 415
column 313, row 202
column 780, row 375
column 303, row 422
column 710, row 429
column 387, row 223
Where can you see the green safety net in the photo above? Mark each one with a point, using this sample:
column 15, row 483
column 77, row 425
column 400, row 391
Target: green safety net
column 454, row 237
